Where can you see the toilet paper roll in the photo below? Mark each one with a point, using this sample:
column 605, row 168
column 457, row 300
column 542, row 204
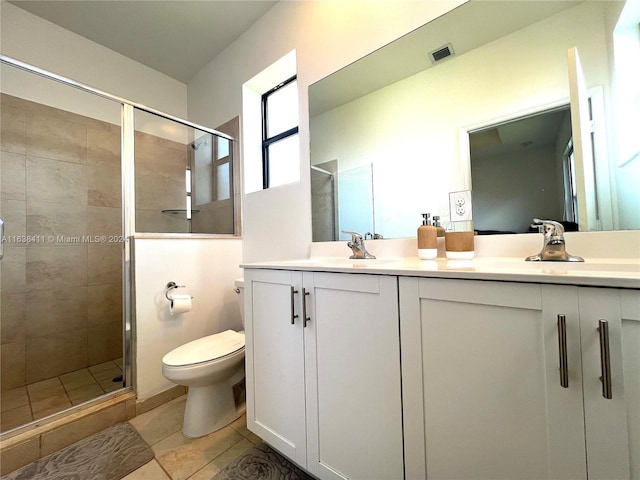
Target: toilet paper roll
column 179, row 304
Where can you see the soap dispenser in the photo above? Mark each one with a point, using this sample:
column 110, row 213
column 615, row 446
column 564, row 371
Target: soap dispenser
column 427, row 239
column 439, row 228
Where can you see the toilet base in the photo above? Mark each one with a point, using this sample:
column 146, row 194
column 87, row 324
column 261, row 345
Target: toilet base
column 210, row 408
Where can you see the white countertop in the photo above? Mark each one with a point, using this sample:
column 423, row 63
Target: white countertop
column 602, row 272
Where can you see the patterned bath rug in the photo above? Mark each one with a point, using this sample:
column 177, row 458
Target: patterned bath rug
column 261, row 463
column 107, row 455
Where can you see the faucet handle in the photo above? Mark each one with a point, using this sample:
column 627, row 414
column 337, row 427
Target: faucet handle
column 355, row 237
column 555, row 229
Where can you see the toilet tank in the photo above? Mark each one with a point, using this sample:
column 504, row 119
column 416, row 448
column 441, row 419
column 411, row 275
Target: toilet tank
column 240, row 291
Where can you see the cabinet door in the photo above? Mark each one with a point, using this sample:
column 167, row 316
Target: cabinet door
column 630, row 319
column 481, row 384
column 275, row 360
column 352, row 351
column 612, row 424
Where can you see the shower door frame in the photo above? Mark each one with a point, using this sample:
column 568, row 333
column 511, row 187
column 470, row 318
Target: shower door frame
column 127, row 143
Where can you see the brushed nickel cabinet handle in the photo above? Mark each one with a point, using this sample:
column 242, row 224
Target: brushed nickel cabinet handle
column 293, row 314
column 605, row 358
column 305, row 319
column 562, row 348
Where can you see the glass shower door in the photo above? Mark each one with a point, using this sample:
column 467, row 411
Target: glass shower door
column 61, row 316
column 355, row 201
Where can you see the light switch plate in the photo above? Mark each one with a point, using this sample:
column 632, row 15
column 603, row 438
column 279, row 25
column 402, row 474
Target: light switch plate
column 460, row 205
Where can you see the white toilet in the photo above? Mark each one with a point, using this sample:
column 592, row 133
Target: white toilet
column 211, row 367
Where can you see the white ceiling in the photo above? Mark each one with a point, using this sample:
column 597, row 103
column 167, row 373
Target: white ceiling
column 175, row 37
column 540, row 130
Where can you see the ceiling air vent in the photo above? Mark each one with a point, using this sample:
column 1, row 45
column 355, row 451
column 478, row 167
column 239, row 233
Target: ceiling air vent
column 441, row 53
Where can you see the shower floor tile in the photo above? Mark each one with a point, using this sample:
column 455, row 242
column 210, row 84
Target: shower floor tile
column 83, row 394
column 40, row 399
column 44, row 391
column 105, row 373
column 14, row 398
column 16, row 417
column 77, row 379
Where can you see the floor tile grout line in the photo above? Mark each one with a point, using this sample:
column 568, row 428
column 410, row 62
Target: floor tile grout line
column 179, row 427
column 95, row 380
column 164, row 438
column 29, row 402
column 82, row 386
column 66, row 392
column 219, row 455
column 32, row 401
column 161, row 466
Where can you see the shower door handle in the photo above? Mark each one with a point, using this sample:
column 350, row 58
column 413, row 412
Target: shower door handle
column 1, row 238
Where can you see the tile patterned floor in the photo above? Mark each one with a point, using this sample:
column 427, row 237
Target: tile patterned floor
column 181, row 458
column 37, row 400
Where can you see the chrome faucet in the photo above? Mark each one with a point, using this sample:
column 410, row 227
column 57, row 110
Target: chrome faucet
column 357, row 246
column 553, row 249
column 373, row 236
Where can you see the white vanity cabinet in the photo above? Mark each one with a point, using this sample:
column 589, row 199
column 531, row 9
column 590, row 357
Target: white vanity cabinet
column 327, row 394
column 274, row 361
column 483, row 393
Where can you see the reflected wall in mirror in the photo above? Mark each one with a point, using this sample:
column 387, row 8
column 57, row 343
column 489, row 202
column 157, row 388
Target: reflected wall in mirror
column 352, row 187
column 406, row 116
column 523, row 169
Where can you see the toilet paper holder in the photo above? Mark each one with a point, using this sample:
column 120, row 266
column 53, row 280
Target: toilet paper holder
column 172, row 286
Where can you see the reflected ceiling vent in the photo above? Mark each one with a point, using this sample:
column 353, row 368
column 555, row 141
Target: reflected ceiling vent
column 439, row 54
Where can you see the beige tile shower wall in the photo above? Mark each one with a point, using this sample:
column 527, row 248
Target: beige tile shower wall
column 160, row 166
column 61, row 296
column 213, row 217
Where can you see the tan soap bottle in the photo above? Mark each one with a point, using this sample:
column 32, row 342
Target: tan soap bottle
column 427, row 239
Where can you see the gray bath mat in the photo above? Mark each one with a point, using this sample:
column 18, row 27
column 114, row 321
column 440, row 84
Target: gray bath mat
column 107, row 455
column 261, row 463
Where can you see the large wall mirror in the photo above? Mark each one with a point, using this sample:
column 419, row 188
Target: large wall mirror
column 393, row 133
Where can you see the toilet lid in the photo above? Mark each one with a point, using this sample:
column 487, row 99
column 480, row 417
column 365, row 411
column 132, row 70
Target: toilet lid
column 205, row 349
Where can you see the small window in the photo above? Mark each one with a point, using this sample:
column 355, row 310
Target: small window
column 222, row 174
column 280, row 134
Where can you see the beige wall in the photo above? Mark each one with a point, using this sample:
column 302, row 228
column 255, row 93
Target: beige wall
column 207, row 269
column 36, row 41
column 61, row 305
column 327, row 35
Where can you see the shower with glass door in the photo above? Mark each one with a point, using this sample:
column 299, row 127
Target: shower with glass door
column 67, row 159
column 61, row 314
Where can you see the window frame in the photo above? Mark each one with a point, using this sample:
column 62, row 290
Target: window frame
column 266, row 140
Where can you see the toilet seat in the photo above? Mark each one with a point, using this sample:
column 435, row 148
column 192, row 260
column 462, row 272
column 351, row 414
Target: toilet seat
column 206, row 349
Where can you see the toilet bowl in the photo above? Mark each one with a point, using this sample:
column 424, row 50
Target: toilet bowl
column 210, row 367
